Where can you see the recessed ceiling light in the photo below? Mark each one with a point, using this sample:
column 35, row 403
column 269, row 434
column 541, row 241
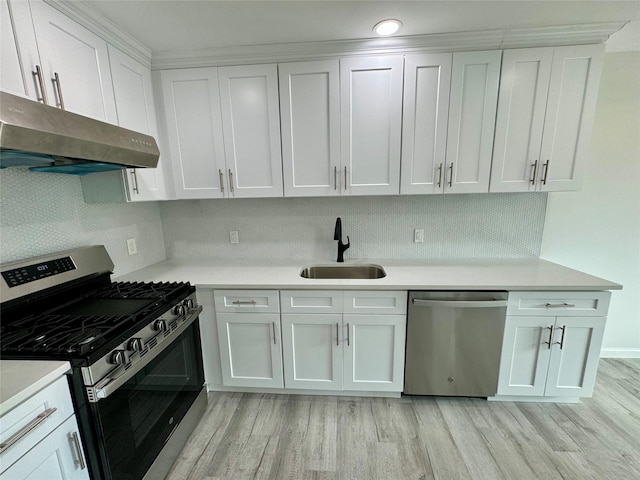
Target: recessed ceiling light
column 387, row 27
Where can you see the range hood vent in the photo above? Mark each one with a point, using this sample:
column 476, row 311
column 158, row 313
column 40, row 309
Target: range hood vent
column 53, row 140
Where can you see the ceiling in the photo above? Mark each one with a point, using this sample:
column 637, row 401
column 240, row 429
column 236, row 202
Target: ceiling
column 165, row 26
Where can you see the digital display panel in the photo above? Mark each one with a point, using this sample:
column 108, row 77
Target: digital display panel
column 37, row 271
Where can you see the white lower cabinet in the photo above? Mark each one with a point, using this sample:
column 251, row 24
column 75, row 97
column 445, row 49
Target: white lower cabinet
column 554, row 353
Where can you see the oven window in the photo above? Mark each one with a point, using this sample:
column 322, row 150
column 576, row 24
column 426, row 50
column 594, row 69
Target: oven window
column 138, row 418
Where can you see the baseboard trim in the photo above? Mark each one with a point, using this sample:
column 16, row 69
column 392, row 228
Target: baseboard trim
column 620, row 353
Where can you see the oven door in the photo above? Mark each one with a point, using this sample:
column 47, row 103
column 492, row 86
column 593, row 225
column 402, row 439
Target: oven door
column 137, row 419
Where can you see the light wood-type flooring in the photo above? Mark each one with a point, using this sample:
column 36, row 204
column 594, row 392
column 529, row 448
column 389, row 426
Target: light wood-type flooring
column 314, row 437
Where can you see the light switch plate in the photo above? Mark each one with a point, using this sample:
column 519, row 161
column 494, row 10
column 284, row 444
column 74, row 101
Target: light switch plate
column 132, row 248
column 418, row 235
column 233, row 236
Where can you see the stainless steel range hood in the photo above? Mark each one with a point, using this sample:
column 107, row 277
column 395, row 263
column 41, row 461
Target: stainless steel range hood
column 56, row 140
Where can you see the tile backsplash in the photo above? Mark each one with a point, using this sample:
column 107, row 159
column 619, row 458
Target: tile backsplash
column 42, row 213
column 505, row 225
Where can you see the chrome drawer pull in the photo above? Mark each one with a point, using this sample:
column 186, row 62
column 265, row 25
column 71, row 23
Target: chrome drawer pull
column 561, row 342
column 559, row 305
column 244, row 302
column 459, row 303
column 550, row 327
column 76, row 444
column 28, row 428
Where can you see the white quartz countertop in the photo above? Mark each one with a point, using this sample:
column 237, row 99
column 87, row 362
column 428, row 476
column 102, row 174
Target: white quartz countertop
column 20, row 379
column 533, row 274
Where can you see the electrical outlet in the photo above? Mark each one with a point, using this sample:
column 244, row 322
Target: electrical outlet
column 131, row 246
column 233, row 236
column 418, row 235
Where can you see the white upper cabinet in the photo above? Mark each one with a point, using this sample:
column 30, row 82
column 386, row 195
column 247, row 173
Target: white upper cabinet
column 371, row 122
column 310, row 122
column 75, row 64
column 472, row 109
column 251, row 126
column 18, row 50
column 194, row 132
column 427, row 80
column 136, row 111
column 545, row 115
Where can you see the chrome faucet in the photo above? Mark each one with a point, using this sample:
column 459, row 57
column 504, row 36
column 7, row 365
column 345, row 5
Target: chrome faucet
column 337, row 235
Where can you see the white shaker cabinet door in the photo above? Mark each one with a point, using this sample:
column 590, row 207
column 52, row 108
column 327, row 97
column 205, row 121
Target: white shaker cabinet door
column 371, row 123
column 310, row 118
column 135, row 107
column 312, row 350
column 18, row 51
column 427, row 80
column 250, row 349
column 472, row 109
column 525, row 355
column 574, row 356
column 75, row 64
column 194, row 132
column 251, row 126
column 522, row 102
column 374, row 352
column 573, row 91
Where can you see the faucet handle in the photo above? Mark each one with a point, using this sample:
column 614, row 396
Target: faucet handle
column 346, row 245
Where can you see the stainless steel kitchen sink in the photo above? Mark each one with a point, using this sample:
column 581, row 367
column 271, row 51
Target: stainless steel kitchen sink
column 343, row 271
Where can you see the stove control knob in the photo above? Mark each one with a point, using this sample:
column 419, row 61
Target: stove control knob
column 189, row 303
column 118, row 357
column 179, row 310
column 160, row 325
column 135, row 345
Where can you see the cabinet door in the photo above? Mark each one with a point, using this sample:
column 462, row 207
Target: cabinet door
column 136, row 111
column 472, row 114
column 194, row 132
column 525, row 356
column 312, row 351
column 371, row 122
column 574, row 356
column 79, row 59
column 59, row 456
column 573, row 91
column 250, row 349
column 251, row 126
column 18, row 50
column 427, row 80
column 374, row 352
column 310, row 101
column 524, row 85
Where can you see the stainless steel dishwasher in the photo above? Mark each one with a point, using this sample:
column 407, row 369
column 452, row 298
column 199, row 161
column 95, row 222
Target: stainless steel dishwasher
column 454, row 341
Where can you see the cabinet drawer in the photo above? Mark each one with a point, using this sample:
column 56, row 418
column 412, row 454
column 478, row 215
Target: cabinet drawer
column 55, row 396
column 245, row 301
column 375, row 302
column 311, row 301
column 565, row 304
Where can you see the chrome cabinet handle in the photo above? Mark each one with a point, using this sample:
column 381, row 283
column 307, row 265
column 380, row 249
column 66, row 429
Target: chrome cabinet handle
column 451, row 175
column 28, row 428
column 440, row 176
column 459, row 303
column 335, row 178
column 274, row 332
column 348, row 336
column 43, row 92
column 76, row 444
column 221, row 180
column 561, row 342
column 559, row 305
column 546, row 171
column 134, row 180
column 244, row 302
column 550, row 327
column 345, row 178
column 337, row 334
column 533, row 172
column 230, row 181
column 56, row 83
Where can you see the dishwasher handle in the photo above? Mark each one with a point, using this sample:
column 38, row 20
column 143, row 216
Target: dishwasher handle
column 459, row 303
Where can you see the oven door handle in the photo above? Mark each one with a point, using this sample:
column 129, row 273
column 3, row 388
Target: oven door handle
column 116, row 379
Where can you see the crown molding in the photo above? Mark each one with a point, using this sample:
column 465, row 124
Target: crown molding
column 85, row 15
column 441, row 42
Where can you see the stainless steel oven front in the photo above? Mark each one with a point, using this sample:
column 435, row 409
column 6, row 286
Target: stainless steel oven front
column 143, row 399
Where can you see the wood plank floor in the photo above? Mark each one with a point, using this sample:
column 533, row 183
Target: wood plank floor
column 313, row 437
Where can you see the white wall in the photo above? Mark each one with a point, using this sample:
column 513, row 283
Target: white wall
column 42, row 213
column 597, row 229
